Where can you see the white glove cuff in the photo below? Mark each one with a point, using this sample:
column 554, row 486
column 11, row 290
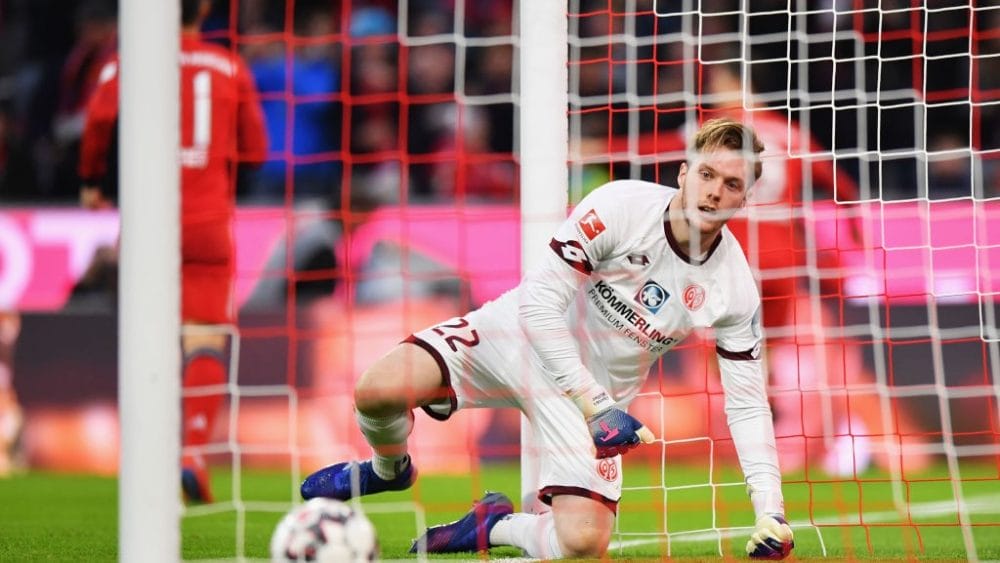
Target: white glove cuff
column 592, row 400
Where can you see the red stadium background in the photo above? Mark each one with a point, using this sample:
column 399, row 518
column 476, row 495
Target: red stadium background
column 70, row 397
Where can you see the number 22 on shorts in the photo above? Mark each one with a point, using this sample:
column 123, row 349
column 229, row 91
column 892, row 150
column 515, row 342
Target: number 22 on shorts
column 458, row 332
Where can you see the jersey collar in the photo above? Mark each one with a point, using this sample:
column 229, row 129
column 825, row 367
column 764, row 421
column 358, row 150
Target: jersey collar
column 676, row 247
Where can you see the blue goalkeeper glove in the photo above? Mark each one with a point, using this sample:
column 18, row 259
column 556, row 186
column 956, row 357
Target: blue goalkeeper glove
column 772, row 538
column 614, row 431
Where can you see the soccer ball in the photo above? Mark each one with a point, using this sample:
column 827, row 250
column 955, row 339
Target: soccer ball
column 325, row 531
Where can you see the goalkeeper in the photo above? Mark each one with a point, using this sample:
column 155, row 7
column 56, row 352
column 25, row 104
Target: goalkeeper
column 635, row 268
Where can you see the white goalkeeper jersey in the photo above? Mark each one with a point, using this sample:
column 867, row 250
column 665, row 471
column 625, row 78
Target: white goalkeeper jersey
column 639, row 295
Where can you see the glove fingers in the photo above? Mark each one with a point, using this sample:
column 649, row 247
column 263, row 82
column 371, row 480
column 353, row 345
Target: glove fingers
column 768, row 548
column 764, row 552
column 775, row 544
column 646, row 435
column 616, row 432
column 772, row 539
column 766, row 535
column 758, row 550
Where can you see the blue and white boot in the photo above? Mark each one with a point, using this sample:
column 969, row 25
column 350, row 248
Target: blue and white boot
column 335, row 481
column 470, row 533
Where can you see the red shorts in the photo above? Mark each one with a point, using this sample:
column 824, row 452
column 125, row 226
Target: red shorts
column 207, row 272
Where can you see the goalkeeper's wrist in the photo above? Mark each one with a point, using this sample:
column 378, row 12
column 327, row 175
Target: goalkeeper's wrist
column 592, row 400
column 766, row 503
column 773, row 516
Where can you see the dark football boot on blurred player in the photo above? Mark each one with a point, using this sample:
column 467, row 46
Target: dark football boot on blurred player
column 470, row 533
column 336, row 481
column 194, row 480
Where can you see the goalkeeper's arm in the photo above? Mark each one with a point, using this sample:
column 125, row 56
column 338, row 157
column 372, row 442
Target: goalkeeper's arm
column 545, row 295
column 750, row 424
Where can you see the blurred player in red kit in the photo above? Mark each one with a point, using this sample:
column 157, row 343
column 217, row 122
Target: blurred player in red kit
column 807, row 354
column 779, row 233
column 222, row 126
column 775, row 236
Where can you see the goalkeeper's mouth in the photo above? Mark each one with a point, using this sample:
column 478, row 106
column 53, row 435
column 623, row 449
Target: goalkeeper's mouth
column 709, row 213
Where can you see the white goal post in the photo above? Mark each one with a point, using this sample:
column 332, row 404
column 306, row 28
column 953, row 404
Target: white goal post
column 542, row 150
column 149, row 308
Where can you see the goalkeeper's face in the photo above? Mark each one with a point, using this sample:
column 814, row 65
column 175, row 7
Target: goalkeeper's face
column 713, row 188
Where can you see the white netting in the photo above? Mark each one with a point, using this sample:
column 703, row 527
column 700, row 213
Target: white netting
column 874, row 236
column 870, row 232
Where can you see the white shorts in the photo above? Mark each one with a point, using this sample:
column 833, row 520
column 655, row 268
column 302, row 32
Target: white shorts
column 486, row 361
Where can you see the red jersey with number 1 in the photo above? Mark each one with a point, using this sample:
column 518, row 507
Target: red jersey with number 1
column 221, row 125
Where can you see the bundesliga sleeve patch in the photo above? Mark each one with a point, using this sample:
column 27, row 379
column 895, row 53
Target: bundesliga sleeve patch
column 573, row 254
column 591, row 225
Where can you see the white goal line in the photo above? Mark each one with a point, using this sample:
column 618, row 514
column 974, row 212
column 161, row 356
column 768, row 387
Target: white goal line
column 981, row 504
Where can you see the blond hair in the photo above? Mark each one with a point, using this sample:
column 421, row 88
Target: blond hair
column 726, row 133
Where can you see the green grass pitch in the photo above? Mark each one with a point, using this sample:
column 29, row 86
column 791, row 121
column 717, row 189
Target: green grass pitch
column 52, row 517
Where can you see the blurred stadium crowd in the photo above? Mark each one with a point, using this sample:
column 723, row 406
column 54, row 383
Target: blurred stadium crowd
column 416, row 103
column 336, row 87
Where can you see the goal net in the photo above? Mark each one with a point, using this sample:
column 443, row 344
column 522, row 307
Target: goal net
column 390, row 202
column 870, row 233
